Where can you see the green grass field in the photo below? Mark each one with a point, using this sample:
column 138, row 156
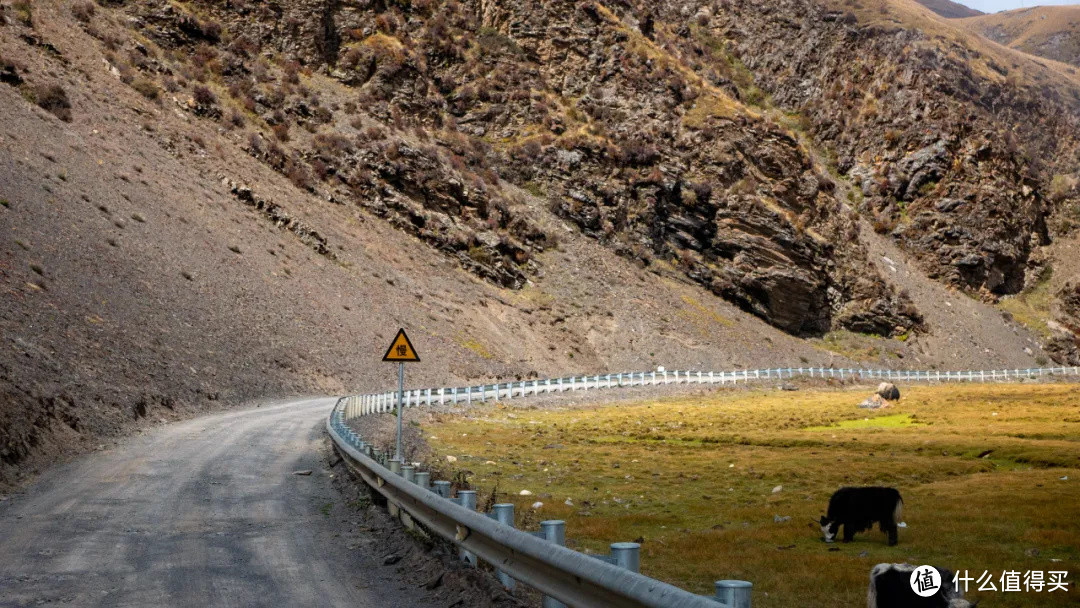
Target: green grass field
column 979, row 466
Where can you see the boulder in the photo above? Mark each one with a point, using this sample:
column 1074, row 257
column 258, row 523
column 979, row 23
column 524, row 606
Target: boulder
column 874, row 402
column 888, row 391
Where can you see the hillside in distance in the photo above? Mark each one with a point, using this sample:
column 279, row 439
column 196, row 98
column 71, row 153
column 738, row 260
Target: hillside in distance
column 1052, row 32
column 950, row 9
column 212, row 202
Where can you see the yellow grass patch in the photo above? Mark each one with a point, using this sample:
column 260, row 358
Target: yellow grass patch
column 979, row 467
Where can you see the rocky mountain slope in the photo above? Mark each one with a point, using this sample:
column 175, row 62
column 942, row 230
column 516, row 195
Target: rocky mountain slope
column 1047, row 31
column 215, row 201
column 926, row 122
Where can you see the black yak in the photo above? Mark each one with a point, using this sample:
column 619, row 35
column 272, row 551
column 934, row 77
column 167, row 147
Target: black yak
column 858, row 508
column 891, row 587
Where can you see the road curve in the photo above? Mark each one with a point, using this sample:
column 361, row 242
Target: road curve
column 200, row 513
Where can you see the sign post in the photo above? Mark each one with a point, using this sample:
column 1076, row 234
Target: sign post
column 401, row 351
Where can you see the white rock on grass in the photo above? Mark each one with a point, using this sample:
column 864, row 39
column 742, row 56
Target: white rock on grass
column 537, row 505
column 525, row 493
column 451, row 459
column 777, row 489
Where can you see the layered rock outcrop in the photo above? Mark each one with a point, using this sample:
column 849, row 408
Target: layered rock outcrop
column 582, row 105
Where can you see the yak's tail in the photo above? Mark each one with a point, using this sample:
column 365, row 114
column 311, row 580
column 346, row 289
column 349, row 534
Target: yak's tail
column 898, row 510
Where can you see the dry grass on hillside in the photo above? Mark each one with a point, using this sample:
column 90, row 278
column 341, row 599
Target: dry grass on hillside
column 1050, row 31
column 991, row 60
column 979, row 467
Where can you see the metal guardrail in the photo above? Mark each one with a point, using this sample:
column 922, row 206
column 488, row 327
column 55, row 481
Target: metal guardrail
column 539, row 560
column 374, row 403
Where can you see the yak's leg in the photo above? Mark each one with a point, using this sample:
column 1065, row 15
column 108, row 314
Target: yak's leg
column 891, row 531
column 849, row 533
column 889, row 527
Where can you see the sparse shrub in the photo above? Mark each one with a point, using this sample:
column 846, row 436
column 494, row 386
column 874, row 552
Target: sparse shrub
column 374, row 133
column 1060, row 187
column 352, row 58
column 281, row 131
column 83, row 11
column 211, row 30
column 24, row 12
column 298, row 175
column 205, row 55
column 332, row 144
column 255, row 143
column 323, row 115
column 385, row 23
column 53, row 98
column 204, row 96
column 236, row 119
column 638, row 153
column 321, row 169
column 146, row 87
column 292, row 72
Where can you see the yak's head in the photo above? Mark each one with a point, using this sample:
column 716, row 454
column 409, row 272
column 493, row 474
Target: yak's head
column 828, row 531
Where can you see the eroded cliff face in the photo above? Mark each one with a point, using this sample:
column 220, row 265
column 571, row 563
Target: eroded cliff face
column 950, row 156
column 581, row 105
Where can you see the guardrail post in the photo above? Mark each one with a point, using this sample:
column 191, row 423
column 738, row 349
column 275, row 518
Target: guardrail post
column 395, row 466
column 409, row 473
column 467, row 499
column 627, row 555
column 560, row 385
column 553, row 531
column 442, row 488
column 733, row 594
column 573, row 383
column 423, row 479
column 504, row 514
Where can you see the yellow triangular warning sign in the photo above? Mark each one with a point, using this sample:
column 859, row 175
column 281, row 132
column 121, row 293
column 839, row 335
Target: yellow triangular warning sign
column 401, row 350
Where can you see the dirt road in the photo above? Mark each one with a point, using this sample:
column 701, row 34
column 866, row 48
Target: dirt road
column 207, row 512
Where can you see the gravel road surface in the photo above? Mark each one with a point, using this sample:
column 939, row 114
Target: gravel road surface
column 207, row 512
